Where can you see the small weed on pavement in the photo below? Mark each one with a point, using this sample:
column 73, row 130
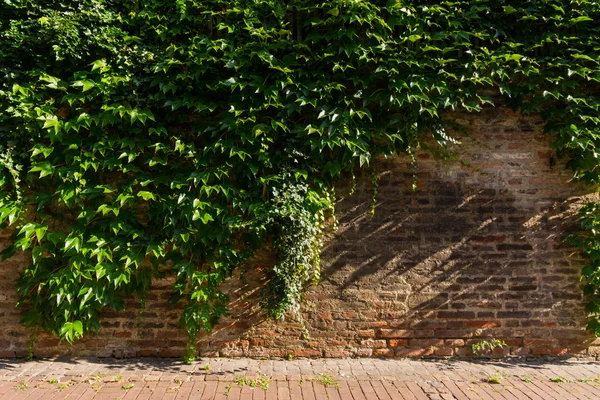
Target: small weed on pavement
column 262, row 383
column 495, row 378
column 23, row 385
column 326, row 379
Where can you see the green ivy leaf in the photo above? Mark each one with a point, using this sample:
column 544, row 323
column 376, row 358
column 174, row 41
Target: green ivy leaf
column 44, row 167
column 84, row 84
column 146, row 195
column 582, row 18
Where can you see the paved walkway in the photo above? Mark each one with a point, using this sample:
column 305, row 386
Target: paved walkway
column 344, row 379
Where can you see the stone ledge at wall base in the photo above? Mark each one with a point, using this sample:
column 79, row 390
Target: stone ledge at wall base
column 178, row 355
column 536, row 349
column 474, row 253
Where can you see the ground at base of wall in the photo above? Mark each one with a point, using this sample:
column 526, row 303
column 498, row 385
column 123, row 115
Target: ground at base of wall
column 95, row 378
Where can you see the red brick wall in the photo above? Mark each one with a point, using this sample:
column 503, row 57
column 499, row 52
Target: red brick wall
column 475, row 253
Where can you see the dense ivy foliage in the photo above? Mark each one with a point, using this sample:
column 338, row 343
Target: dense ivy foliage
column 139, row 139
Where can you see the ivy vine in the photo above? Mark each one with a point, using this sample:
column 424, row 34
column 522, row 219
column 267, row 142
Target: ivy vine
column 142, row 139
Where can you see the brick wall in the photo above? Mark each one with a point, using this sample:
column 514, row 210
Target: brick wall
column 475, row 253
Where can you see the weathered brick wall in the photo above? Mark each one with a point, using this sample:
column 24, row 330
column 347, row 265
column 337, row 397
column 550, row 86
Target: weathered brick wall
column 475, row 253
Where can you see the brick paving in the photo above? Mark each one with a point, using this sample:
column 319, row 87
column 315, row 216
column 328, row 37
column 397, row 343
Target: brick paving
column 302, row 379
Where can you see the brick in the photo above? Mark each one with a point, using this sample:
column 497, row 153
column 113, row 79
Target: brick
column 453, row 333
column 483, row 324
column 152, row 343
column 171, row 353
column 454, row 342
column 443, row 352
column 520, row 351
column 395, row 333
column 540, row 351
column 370, row 343
column 513, row 247
column 366, row 333
column 456, row 314
column 170, row 334
column 363, row 352
column 384, row 352
column 513, row 342
column 463, row 351
column 513, row 314
column 453, row 324
column 7, row 353
column 425, row 342
column 324, row 316
column 398, row 324
column 232, row 352
column 403, row 352
column 336, row 353
column 539, row 342
column 308, row 353
column 428, row 324
column 94, row 343
column 371, row 324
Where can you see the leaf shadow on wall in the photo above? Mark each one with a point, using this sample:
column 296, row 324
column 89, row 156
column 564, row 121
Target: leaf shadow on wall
column 457, row 261
column 460, row 260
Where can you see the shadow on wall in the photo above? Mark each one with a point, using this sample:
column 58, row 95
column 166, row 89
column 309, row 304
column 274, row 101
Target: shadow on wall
column 475, row 253
column 451, row 265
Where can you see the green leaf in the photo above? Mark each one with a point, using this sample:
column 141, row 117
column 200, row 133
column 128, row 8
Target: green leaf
column 146, row 195
column 301, row 174
column 582, row 18
column 513, row 57
column 84, row 84
column 37, row 253
column 45, row 168
column 41, row 149
column 582, row 57
column 72, row 330
column 73, row 242
column 203, row 216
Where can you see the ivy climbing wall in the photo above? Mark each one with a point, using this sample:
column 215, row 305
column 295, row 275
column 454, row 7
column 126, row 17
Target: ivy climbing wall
column 474, row 253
